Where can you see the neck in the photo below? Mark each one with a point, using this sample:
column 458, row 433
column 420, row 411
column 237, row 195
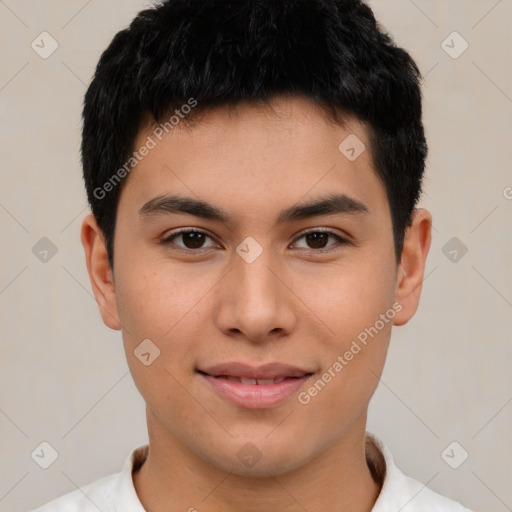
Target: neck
column 347, row 476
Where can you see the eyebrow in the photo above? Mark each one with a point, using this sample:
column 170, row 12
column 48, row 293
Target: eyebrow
column 326, row 205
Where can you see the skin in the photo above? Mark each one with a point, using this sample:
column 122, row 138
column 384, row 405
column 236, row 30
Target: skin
column 293, row 304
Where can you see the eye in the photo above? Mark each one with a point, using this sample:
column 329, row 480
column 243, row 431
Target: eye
column 317, row 239
column 192, row 239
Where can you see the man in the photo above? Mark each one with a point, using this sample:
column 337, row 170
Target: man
column 253, row 169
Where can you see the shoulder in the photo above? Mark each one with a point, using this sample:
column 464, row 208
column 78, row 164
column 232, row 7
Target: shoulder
column 89, row 498
column 410, row 495
column 401, row 492
column 112, row 493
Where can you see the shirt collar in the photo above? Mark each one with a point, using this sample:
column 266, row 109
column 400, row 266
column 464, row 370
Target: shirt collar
column 125, row 493
column 398, row 491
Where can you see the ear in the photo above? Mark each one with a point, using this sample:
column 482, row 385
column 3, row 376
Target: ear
column 412, row 265
column 100, row 272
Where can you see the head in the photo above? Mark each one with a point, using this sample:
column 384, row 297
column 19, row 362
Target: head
column 276, row 118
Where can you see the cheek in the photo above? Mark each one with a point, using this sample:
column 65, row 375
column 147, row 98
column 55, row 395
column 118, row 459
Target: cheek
column 352, row 365
column 352, row 298
column 152, row 302
column 161, row 304
column 358, row 305
column 155, row 306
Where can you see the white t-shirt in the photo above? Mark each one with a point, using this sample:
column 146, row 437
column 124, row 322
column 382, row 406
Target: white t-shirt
column 116, row 492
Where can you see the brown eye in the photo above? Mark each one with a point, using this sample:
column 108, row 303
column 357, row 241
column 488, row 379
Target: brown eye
column 190, row 238
column 193, row 239
column 318, row 240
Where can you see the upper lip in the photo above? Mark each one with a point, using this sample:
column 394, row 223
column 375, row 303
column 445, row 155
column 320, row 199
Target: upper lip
column 266, row 371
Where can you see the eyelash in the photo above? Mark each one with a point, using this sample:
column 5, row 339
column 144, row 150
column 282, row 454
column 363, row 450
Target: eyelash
column 341, row 241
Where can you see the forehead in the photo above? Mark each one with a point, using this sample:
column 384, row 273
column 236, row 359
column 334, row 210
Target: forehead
column 257, row 155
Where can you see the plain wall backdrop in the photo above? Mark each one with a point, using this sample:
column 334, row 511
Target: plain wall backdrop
column 63, row 374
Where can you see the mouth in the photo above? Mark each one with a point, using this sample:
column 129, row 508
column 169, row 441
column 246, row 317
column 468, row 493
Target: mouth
column 269, row 371
column 252, row 387
column 254, row 382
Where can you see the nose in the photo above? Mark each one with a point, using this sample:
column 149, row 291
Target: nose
column 255, row 301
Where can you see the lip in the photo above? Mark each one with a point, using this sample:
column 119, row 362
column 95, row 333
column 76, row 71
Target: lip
column 220, row 378
column 266, row 371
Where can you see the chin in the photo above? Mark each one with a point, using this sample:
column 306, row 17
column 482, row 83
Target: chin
column 261, row 459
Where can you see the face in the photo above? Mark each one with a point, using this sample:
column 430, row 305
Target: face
column 258, row 277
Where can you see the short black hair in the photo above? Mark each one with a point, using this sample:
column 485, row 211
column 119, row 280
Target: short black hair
column 211, row 53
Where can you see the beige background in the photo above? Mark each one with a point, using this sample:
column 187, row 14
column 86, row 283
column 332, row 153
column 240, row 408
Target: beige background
column 64, row 377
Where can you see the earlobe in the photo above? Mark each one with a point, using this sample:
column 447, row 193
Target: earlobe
column 412, row 266
column 100, row 272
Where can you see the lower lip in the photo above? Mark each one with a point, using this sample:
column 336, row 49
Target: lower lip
column 255, row 396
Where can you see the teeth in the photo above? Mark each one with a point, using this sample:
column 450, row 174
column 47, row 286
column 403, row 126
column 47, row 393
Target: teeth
column 243, row 380
column 252, row 382
column 259, row 382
